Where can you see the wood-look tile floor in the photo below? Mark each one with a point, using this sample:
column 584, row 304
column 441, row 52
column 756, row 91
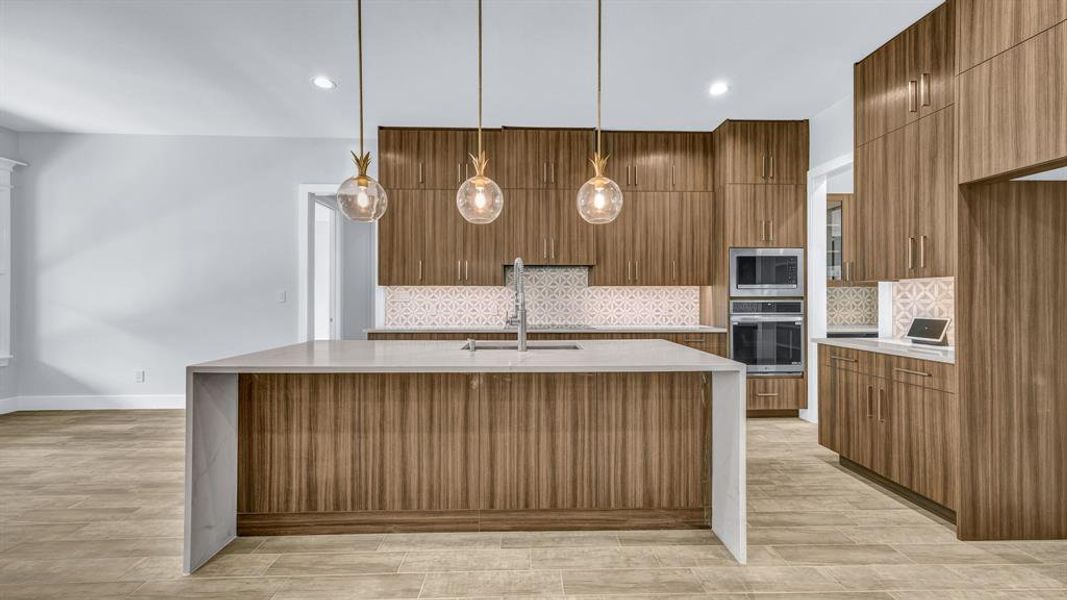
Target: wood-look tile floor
column 91, row 507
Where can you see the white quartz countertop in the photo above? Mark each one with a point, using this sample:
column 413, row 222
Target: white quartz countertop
column 896, row 347
column 567, row 329
column 352, row 356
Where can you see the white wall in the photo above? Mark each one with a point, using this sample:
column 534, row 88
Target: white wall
column 358, row 278
column 148, row 252
column 830, row 132
column 9, row 148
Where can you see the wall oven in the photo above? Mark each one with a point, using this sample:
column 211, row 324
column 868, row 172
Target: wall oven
column 766, row 272
column 768, row 335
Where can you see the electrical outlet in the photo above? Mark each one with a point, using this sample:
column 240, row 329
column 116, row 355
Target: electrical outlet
column 283, row 296
column 138, row 376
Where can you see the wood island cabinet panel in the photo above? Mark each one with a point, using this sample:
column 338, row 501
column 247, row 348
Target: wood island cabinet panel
column 1013, row 111
column 989, row 27
column 667, row 412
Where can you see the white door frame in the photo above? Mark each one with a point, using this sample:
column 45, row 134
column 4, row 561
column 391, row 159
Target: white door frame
column 305, row 305
column 818, row 178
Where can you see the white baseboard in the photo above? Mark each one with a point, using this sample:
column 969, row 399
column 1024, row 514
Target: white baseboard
column 93, row 402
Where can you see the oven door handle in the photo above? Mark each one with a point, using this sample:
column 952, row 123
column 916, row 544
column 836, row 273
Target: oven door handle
column 766, row 319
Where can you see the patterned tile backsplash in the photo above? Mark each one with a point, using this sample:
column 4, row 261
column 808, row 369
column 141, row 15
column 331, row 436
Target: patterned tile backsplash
column 555, row 296
column 923, row 298
column 851, row 306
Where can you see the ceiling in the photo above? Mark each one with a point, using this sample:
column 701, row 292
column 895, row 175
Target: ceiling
column 243, row 67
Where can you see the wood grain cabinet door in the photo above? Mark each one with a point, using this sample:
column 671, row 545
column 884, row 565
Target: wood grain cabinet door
column 989, row 27
column 621, row 149
column 525, row 224
column 936, row 61
column 782, row 209
column 652, row 240
column 860, row 397
column 525, row 158
column 692, row 215
column 907, row 462
column 443, row 156
column 690, row 156
column 934, row 214
column 443, row 232
column 615, row 249
column 744, row 226
column 941, row 448
column 831, row 407
column 568, row 152
column 652, row 161
column 572, row 240
column 787, row 149
column 399, row 166
column 401, row 240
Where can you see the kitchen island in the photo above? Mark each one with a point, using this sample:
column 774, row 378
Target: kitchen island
column 362, row 436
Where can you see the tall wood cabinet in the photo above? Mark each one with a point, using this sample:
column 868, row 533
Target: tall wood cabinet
column 905, row 154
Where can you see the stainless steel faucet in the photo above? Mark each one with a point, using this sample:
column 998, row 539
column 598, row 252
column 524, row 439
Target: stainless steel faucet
column 519, row 318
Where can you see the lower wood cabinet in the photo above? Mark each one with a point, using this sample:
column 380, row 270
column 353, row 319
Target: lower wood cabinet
column 897, row 417
column 777, row 393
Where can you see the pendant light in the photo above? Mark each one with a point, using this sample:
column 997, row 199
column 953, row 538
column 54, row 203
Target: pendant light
column 479, row 199
column 361, row 198
column 599, row 199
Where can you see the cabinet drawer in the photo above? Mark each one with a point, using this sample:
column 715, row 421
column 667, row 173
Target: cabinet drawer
column 870, row 363
column 928, row 374
column 777, row 393
column 713, row 343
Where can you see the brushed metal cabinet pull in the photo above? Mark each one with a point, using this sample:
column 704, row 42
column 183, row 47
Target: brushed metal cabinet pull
column 467, row 270
column 770, row 229
column 420, row 270
column 762, row 231
column 882, row 401
column 870, row 402
column 420, row 172
column 763, row 167
column 459, row 272
column 910, row 372
column 544, row 248
column 924, row 89
column 544, row 171
column 772, row 166
column 552, row 171
column 459, row 172
column 911, row 253
column 922, row 251
column 552, row 248
column 912, row 100
column 766, row 394
column 637, row 270
column 844, row 359
column 674, row 181
column 627, row 270
column 674, row 270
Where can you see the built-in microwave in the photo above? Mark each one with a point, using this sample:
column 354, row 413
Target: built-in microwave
column 766, row 272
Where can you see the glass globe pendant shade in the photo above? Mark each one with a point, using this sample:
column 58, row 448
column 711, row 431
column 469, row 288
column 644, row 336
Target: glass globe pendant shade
column 362, row 199
column 599, row 200
column 480, row 200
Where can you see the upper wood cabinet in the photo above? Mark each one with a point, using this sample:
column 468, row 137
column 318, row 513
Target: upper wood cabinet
column 989, row 27
column 658, row 239
column 909, row 77
column 762, row 152
column 659, row 161
column 769, row 216
column 547, row 158
column 1013, row 109
column 423, row 240
column 433, row 159
column 906, row 202
column 543, row 227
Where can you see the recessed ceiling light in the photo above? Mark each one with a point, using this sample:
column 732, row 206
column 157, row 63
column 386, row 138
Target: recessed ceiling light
column 323, row 82
column 719, row 88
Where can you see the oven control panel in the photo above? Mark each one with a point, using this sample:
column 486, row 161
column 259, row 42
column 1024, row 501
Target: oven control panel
column 764, row 307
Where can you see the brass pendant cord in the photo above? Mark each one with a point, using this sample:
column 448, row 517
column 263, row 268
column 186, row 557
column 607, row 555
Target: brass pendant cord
column 359, row 54
column 479, row 78
column 599, row 30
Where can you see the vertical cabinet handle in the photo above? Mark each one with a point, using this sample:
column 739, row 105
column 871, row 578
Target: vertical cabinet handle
column 552, row 248
column 627, row 270
column 772, row 166
column 674, row 270
column 870, row 402
column 911, row 253
column 420, row 172
column 459, row 172
column 912, row 100
column 674, row 181
column 459, row 270
column 544, row 171
column 467, row 270
column 924, row 89
column 637, row 270
column 763, row 167
column 420, row 270
column 544, row 248
column 552, row 171
column 922, row 251
column 770, row 230
column 882, row 403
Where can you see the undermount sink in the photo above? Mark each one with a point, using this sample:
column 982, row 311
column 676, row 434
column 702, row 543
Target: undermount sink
column 515, row 346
